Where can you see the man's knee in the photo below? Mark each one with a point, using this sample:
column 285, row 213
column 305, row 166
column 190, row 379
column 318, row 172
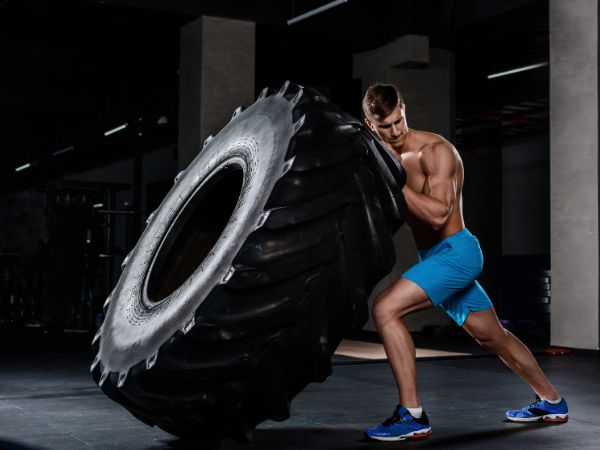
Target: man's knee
column 400, row 299
column 379, row 310
column 495, row 341
column 383, row 310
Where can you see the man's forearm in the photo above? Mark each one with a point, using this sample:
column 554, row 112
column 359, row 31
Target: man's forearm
column 425, row 208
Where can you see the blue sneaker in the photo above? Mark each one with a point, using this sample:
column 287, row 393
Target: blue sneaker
column 400, row 426
column 542, row 411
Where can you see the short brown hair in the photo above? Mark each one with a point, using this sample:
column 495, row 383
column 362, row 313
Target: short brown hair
column 381, row 99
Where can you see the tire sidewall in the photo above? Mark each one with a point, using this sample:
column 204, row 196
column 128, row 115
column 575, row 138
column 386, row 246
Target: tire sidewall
column 256, row 140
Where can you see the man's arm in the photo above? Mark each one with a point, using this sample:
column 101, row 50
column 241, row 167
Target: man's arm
column 439, row 165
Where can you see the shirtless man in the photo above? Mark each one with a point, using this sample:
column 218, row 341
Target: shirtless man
column 450, row 261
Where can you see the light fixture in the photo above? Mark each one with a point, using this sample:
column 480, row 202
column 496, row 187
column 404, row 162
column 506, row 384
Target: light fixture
column 115, row 130
column 98, row 205
column 517, row 70
column 315, row 11
column 64, row 150
column 23, row 167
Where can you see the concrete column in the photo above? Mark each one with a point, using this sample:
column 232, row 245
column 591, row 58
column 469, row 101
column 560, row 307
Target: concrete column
column 216, row 75
column 574, row 173
column 424, row 75
column 425, row 79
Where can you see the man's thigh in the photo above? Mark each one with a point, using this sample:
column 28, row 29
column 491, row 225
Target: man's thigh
column 465, row 302
column 402, row 297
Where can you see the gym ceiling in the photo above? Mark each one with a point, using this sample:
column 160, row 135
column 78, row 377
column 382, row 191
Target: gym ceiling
column 74, row 69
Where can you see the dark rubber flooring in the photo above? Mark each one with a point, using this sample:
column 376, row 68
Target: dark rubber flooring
column 48, row 401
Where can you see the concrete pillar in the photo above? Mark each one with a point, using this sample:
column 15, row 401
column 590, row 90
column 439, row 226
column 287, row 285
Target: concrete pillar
column 574, row 173
column 216, row 75
column 425, row 79
column 424, row 75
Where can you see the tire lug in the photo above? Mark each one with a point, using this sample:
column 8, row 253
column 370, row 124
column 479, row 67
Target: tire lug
column 95, row 363
column 178, row 176
column 297, row 98
column 188, row 326
column 122, row 378
column 97, row 335
column 103, row 378
column 298, row 124
column 263, row 93
column 237, row 112
column 150, row 217
column 228, row 275
column 284, row 88
column 151, row 361
column 125, row 261
column 263, row 218
column 287, row 166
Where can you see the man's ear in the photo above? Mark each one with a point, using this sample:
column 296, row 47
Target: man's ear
column 369, row 124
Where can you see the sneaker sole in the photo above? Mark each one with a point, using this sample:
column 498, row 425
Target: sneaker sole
column 554, row 418
column 420, row 434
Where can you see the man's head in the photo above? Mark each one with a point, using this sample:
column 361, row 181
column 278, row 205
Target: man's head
column 385, row 114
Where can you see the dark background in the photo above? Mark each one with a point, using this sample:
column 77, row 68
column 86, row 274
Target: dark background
column 73, row 69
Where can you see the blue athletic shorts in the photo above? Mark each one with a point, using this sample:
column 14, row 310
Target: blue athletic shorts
column 447, row 272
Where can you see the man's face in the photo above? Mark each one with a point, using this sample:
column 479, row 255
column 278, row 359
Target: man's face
column 391, row 129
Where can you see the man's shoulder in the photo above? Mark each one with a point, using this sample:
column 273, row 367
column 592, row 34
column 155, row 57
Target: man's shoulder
column 437, row 152
column 435, row 145
column 429, row 140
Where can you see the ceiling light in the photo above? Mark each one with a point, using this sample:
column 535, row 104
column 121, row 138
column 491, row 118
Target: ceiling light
column 64, row 150
column 315, row 11
column 517, row 70
column 23, row 167
column 115, row 130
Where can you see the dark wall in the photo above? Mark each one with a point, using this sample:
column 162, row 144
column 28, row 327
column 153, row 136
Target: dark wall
column 73, row 69
column 526, row 196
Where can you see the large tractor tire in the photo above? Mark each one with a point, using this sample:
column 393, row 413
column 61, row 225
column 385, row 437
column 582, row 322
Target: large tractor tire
column 252, row 269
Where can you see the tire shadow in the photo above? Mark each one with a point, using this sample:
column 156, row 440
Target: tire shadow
column 332, row 438
column 13, row 445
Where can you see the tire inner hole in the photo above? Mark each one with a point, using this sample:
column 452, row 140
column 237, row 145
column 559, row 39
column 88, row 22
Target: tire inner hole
column 195, row 232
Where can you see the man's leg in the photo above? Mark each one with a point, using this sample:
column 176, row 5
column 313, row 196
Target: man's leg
column 485, row 327
column 401, row 298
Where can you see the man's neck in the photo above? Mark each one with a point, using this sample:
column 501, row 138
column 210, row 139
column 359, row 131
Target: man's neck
column 406, row 145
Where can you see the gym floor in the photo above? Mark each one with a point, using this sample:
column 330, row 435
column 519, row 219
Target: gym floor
column 49, row 401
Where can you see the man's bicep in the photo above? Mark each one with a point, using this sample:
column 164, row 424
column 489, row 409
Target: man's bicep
column 441, row 174
column 443, row 190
